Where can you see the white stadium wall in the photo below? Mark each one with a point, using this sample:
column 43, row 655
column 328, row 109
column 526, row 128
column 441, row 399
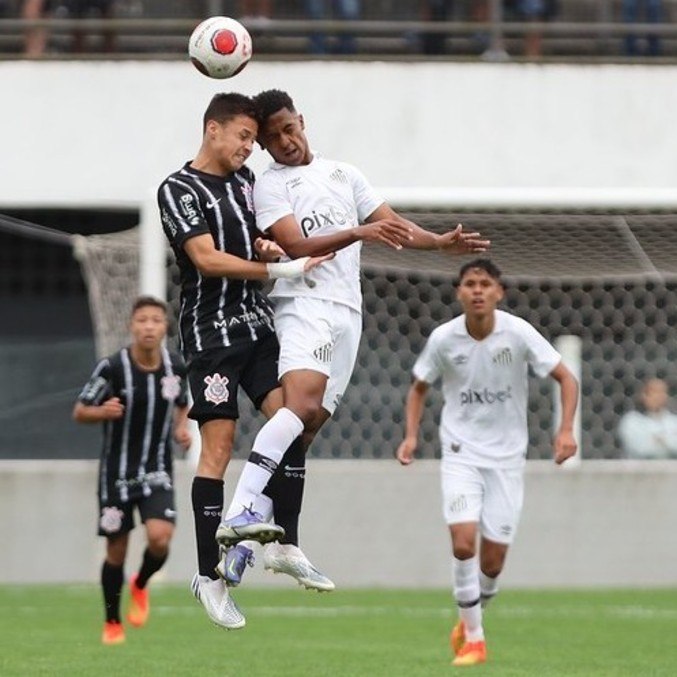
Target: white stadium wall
column 104, row 133
column 374, row 523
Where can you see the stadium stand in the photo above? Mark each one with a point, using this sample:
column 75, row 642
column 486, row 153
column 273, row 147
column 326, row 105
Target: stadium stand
column 578, row 29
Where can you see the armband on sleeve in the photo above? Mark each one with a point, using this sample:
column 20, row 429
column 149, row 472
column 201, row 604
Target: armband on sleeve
column 287, row 269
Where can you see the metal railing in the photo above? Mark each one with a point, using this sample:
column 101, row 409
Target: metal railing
column 167, row 37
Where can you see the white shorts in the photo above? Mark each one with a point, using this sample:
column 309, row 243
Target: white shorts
column 319, row 335
column 492, row 497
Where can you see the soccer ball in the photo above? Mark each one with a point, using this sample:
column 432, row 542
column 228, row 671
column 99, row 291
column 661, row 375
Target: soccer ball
column 220, row 47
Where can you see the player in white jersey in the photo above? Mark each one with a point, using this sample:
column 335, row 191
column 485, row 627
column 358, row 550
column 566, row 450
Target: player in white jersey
column 309, row 203
column 482, row 358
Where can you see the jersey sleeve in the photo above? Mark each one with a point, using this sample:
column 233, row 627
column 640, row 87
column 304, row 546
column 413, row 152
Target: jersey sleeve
column 541, row 356
column 428, row 365
column 271, row 202
column 99, row 387
column 367, row 200
column 181, row 212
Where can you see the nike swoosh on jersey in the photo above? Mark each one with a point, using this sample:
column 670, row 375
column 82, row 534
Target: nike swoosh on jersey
column 211, row 205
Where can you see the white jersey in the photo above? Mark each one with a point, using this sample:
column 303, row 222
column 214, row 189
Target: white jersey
column 325, row 197
column 485, row 388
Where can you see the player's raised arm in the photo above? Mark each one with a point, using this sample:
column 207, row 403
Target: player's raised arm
column 413, row 412
column 214, row 263
column 289, row 236
column 565, row 443
column 456, row 241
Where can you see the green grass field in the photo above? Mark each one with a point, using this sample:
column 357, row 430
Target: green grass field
column 54, row 630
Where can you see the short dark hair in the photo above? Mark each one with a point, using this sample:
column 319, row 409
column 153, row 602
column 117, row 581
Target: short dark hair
column 270, row 102
column 226, row 106
column 147, row 300
column 487, row 265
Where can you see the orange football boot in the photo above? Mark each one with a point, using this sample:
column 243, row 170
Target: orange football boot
column 457, row 637
column 113, row 633
column 471, row 653
column 139, row 604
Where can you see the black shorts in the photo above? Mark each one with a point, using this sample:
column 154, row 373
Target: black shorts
column 117, row 517
column 216, row 375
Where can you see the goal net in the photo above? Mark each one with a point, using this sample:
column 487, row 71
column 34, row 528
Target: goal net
column 601, row 267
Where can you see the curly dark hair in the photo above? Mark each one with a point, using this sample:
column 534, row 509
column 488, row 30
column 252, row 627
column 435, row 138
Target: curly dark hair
column 271, row 101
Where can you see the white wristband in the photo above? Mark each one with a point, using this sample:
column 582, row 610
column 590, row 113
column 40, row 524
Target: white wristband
column 287, row 269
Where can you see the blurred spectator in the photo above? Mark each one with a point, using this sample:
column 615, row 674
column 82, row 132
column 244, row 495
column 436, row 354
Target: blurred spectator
column 435, row 10
column 88, row 9
column 35, row 39
column 536, row 11
column 348, row 10
column 652, row 13
column 255, row 9
column 651, row 430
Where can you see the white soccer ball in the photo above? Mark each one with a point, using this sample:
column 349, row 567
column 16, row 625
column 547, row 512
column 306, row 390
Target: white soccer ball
column 220, row 47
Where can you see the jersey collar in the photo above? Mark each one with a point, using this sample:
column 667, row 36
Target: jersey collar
column 279, row 165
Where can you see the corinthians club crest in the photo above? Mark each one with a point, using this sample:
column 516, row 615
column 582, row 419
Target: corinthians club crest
column 217, row 389
column 171, row 387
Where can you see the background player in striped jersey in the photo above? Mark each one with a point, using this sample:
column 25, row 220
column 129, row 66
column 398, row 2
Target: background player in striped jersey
column 140, row 396
column 483, row 357
column 226, row 329
column 311, row 206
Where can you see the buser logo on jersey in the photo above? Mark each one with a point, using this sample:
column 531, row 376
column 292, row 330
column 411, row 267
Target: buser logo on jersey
column 485, row 396
column 332, row 216
column 188, row 209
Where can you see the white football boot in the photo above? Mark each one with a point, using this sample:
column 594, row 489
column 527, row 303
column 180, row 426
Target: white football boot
column 219, row 605
column 285, row 558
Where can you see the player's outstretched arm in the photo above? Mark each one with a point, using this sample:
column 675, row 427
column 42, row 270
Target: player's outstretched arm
column 565, row 443
column 214, row 263
column 456, row 241
column 290, row 237
column 413, row 412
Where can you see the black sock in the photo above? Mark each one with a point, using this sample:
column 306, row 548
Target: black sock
column 207, row 496
column 149, row 566
column 111, row 582
column 285, row 488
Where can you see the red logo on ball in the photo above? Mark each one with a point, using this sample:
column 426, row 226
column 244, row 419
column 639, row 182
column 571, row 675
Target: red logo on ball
column 224, row 42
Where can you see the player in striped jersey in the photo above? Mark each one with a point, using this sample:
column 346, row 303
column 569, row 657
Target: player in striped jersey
column 226, row 327
column 140, row 396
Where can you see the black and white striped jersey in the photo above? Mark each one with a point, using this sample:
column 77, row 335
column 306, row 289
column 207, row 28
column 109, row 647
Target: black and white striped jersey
column 215, row 312
column 136, row 453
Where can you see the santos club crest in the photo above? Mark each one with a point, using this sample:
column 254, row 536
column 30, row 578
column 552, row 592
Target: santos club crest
column 217, row 389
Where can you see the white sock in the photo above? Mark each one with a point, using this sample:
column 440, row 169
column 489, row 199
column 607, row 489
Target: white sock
column 467, row 594
column 274, row 438
column 264, row 506
column 488, row 588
